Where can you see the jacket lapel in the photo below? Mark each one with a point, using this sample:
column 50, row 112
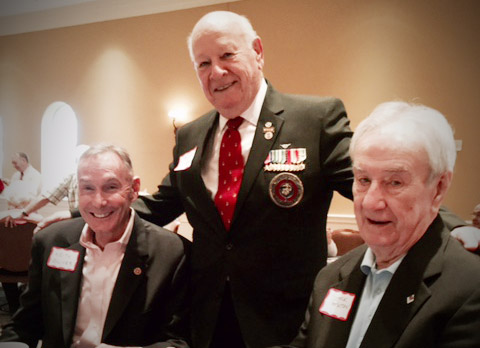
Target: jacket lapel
column 201, row 200
column 407, row 291
column 70, row 292
column 271, row 110
column 131, row 273
column 352, row 280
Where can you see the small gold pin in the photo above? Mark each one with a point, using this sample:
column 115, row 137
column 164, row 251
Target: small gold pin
column 268, row 135
column 137, row 271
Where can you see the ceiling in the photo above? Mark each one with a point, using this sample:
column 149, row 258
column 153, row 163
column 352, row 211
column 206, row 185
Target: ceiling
column 20, row 16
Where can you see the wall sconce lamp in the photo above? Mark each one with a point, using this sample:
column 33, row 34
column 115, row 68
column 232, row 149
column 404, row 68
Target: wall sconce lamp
column 176, row 115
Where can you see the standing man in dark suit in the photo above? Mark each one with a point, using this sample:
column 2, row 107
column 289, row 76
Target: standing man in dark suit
column 256, row 251
column 412, row 285
column 109, row 278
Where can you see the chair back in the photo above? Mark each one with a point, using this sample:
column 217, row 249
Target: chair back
column 15, row 246
column 346, row 240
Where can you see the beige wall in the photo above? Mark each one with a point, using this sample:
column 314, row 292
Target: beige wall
column 121, row 77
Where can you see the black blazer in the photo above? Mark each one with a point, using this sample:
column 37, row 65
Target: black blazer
column 271, row 254
column 444, row 279
column 145, row 308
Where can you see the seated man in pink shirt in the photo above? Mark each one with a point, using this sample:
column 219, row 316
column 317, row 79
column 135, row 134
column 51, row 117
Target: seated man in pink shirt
column 107, row 278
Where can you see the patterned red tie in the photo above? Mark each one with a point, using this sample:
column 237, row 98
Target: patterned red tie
column 230, row 171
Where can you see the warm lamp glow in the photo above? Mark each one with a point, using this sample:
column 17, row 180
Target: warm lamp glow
column 177, row 114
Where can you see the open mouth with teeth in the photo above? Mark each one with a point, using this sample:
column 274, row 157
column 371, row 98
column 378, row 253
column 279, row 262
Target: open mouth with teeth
column 101, row 216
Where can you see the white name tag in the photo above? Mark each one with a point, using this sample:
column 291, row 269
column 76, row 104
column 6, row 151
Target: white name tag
column 63, row 259
column 337, row 304
column 185, row 160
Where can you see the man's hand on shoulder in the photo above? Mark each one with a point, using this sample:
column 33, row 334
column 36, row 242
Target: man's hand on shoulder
column 469, row 236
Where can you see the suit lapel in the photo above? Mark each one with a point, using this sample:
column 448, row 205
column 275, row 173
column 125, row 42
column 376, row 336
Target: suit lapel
column 271, row 109
column 352, row 280
column 202, row 200
column 131, row 273
column 70, row 292
column 407, row 291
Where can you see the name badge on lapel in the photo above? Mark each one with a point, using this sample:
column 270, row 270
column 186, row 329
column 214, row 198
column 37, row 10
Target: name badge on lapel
column 63, row 259
column 185, row 160
column 337, row 304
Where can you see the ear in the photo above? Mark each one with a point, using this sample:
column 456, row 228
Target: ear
column 135, row 188
column 258, row 48
column 441, row 189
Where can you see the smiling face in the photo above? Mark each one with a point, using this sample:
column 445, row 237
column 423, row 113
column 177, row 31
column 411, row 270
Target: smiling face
column 106, row 190
column 394, row 198
column 229, row 67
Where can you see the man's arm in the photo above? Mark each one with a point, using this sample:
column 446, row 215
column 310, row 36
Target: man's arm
column 462, row 330
column 162, row 207
column 334, row 146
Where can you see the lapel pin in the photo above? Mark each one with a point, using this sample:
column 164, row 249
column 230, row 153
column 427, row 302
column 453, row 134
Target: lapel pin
column 410, row 298
column 285, row 146
column 268, row 130
column 137, row 271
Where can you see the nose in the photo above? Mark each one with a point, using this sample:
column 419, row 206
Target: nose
column 217, row 71
column 374, row 198
column 99, row 199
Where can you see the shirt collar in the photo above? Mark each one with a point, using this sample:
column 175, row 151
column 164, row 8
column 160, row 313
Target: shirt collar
column 369, row 265
column 252, row 114
column 86, row 238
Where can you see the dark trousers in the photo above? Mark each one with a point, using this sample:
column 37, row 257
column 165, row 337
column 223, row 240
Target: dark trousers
column 227, row 332
column 12, row 294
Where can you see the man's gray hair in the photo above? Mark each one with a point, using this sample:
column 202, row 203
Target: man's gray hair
column 219, row 19
column 23, row 155
column 415, row 125
column 98, row 149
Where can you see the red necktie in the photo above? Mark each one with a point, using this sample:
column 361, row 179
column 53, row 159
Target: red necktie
column 230, row 171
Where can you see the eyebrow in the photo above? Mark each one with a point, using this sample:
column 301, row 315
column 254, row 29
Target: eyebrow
column 392, row 170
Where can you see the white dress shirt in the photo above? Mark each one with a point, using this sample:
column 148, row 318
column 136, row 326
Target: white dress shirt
column 247, row 132
column 31, row 177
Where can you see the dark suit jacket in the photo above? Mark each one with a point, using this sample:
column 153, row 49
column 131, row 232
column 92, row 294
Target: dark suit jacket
column 271, row 254
column 445, row 281
column 144, row 309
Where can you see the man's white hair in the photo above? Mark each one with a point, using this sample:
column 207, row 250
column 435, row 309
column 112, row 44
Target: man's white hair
column 221, row 20
column 416, row 126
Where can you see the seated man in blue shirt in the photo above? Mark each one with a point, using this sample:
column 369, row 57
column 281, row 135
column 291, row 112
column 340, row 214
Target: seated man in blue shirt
column 412, row 284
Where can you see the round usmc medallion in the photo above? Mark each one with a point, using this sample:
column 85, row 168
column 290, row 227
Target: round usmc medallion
column 286, row 190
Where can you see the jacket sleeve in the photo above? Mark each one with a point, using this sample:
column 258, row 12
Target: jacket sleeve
column 162, row 207
column 463, row 329
column 335, row 143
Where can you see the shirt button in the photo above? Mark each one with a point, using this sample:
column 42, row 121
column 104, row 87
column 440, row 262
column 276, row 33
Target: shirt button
column 229, row 246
